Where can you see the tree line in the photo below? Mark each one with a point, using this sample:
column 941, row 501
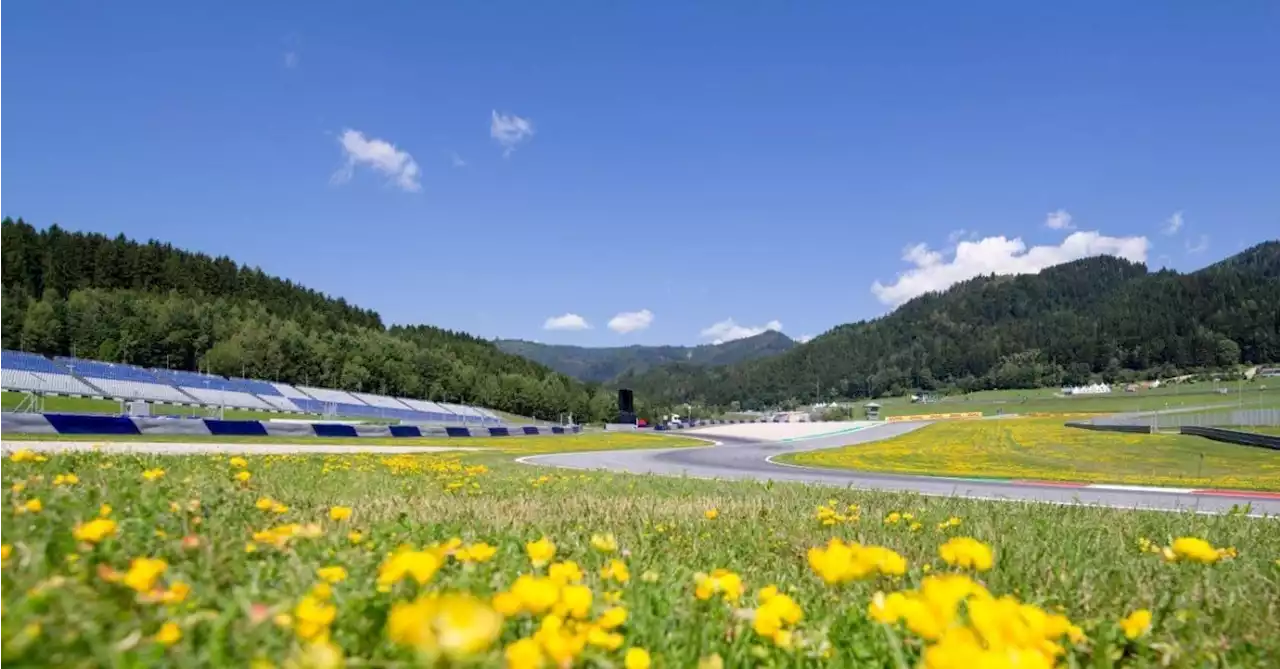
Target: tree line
column 117, row 300
column 1098, row 319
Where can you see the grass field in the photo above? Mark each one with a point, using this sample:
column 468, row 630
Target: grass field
column 245, row 565
column 10, row 400
column 1043, row 400
column 1043, row 448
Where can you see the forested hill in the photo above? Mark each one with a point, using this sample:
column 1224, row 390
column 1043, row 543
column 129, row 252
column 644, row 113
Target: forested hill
column 606, row 364
column 1095, row 318
column 150, row 304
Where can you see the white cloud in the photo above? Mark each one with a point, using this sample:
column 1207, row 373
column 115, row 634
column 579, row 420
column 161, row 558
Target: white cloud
column 566, row 322
column 1059, row 220
column 509, row 130
column 291, row 59
column 631, row 321
column 1199, row 246
column 379, row 155
column 958, row 234
column 1172, row 224
column 804, row 339
column 728, row 330
column 456, row 159
column 998, row 255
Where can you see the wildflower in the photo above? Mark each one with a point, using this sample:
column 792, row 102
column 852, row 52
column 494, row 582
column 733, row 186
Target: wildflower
column 892, row 518
column 775, row 615
column 602, row 638
column 104, row 510
column 26, row 455
column 5, row 551
column 721, row 581
column 169, row 634
column 264, row 503
column 712, row 661
column 278, row 508
column 421, row 566
column 840, row 562
column 948, row 523
column 339, row 512
column 1193, row 550
column 65, row 479
column 966, row 552
column 711, row 514
column 649, row 576
column 312, row 617
column 1136, row 624
column 915, row 526
column 615, row 570
column 95, row 530
column 575, row 602
column 335, row 574
column 565, row 572
column 175, row 593
column 524, row 654
column 238, row 462
column 243, row 476
column 605, row 543
column 455, row 625
column 355, row 537
column 612, row 618
column 143, row 573
column 534, row 594
column 18, row 487
column 541, row 551
column 478, row 552
column 636, row 658
column 319, row 653
column 560, row 640
column 153, row 474
column 30, row 506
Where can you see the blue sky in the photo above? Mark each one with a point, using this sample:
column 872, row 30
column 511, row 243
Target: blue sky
column 507, row 163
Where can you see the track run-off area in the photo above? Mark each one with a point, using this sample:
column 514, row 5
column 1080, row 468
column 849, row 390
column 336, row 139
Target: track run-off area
column 735, row 453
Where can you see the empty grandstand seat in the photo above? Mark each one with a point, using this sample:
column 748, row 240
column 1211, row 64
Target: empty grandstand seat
column 108, row 370
column 257, row 387
column 327, row 395
column 36, row 373
column 278, row 401
column 381, row 401
column 290, row 392
column 139, row 390
column 231, row 398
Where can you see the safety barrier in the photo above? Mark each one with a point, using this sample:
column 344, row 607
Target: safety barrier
column 55, row 423
column 1111, row 427
column 1233, row 436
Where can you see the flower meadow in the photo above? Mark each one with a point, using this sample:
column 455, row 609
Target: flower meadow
column 473, row 560
column 1044, row 448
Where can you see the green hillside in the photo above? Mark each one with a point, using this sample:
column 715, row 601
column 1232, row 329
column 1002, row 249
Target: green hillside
column 1098, row 318
column 606, row 364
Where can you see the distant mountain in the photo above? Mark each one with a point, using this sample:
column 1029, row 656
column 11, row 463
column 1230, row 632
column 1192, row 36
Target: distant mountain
column 1097, row 318
column 603, row 365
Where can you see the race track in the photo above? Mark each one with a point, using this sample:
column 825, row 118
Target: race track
column 735, row 458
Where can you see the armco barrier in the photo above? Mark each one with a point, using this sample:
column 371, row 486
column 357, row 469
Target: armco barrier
column 53, row 423
column 1111, row 427
column 1233, row 436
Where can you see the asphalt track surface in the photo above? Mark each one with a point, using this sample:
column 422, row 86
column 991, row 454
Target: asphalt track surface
column 750, row 460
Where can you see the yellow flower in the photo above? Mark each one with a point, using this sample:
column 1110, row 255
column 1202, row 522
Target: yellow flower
column 104, row 510
column 175, row 594
column 478, row 552
column 277, row 507
column 264, row 503
column 721, row 582
column 26, row 455
column 1194, row 550
column 636, row 658
column 243, row 476
column 153, row 474
column 355, row 537
column 535, row 594
column 966, row 552
column 564, row 573
column 650, row 576
column 238, row 462
column 605, row 543
column 840, row 562
column 143, row 573
column 95, row 530
column 312, row 617
column 541, row 551
column 612, row 618
column 561, row 640
column 66, row 479
column 575, row 601
column 601, row 638
column 615, row 570
column 892, row 518
column 712, row 661
column 1136, row 624
column 777, row 612
column 524, row 654
column 31, row 506
column 712, row 513
column 421, row 566
column 335, row 574
column 169, row 634
column 320, row 653
column 455, row 625
column 339, row 512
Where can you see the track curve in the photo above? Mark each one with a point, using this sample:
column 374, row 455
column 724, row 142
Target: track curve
column 740, row 459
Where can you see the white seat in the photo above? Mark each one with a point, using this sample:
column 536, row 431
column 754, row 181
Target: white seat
column 381, row 401
column 327, row 395
column 278, row 402
column 44, row 382
column 289, row 391
column 137, row 390
column 231, row 398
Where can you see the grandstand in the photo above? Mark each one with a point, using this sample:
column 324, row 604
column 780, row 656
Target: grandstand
column 29, row 372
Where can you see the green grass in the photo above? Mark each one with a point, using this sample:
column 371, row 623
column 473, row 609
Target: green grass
column 60, row 611
column 1043, row 448
column 1042, row 400
column 10, row 400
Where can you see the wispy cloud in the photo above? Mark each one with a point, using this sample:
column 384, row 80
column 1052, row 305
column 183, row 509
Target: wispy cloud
column 728, row 330
column 380, row 156
column 631, row 321
column 291, row 59
column 932, row 270
column 509, row 131
column 1200, row 245
column 568, row 321
column 456, row 160
column 1059, row 220
column 804, row 339
column 1172, row 224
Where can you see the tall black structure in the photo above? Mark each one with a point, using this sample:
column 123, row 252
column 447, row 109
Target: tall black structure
column 626, row 406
